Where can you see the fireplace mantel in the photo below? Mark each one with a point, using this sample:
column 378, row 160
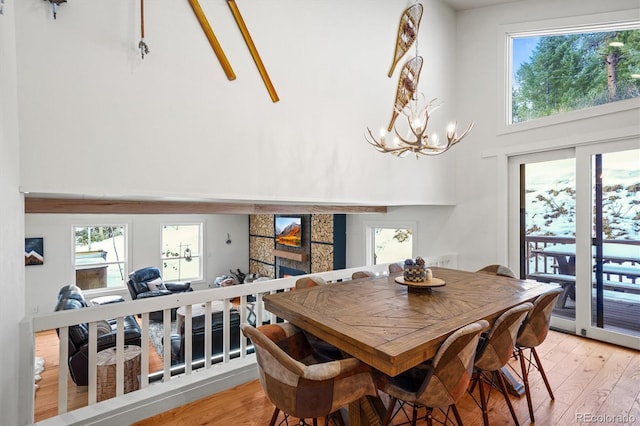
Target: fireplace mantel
column 298, row 257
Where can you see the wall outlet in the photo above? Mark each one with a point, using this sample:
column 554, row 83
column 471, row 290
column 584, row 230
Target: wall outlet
column 35, row 309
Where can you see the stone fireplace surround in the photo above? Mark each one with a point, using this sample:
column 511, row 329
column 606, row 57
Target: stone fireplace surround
column 323, row 246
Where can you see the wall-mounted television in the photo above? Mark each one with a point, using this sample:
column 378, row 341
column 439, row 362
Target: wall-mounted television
column 288, row 230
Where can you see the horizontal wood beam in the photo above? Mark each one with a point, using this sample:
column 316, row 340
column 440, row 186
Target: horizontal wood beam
column 292, row 255
column 89, row 206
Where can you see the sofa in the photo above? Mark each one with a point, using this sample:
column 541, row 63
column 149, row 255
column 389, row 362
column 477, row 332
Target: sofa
column 147, row 282
column 71, row 297
column 198, row 335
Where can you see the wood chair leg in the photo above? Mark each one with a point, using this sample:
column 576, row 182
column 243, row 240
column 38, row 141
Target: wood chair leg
column 544, row 376
column 414, row 420
column 389, row 414
column 456, row 413
column 315, row 421
column 525, row 380
column 474, row 382
column 274, row 416
column 483, row 402
column 429, row 416
column 503, row 387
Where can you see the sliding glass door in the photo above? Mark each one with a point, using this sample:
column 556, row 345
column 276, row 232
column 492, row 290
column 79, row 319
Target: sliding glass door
column 611, row 192
column 575, row 221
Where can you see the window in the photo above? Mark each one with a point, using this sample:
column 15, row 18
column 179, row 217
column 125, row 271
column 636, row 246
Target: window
column 100, row 259
column 181, row 252
column 388, row 243
column 565, row 70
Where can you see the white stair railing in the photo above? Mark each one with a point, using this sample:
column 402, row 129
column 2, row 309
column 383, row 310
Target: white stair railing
column 62, row 320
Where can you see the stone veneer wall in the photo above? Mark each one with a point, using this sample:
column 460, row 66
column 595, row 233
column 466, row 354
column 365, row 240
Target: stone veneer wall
column 261, row 242
column 319, row 244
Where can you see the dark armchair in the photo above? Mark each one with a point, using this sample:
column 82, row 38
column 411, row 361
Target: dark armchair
column 71, row 297
column 147, row 282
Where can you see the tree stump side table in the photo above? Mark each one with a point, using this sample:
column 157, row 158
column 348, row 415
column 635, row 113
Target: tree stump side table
column 106, row 367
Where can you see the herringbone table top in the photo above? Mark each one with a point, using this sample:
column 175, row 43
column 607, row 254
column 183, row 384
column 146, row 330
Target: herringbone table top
column 392, row 329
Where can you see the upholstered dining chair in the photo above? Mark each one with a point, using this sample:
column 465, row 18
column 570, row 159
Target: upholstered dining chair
column 362, row 274
column 500, row 270
column 532, row 333
column 306, row 282
column 439, row 382
column 296, row 383
column 395, row 267
column 494, row 351
column 324, row 350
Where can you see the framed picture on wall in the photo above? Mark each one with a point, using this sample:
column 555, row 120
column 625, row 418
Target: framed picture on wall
column 33, row 251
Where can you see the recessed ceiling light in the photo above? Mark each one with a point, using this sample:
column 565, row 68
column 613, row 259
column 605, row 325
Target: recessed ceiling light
column 616, row 44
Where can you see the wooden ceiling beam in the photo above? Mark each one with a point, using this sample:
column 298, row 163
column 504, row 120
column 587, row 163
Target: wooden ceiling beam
column 89, row 206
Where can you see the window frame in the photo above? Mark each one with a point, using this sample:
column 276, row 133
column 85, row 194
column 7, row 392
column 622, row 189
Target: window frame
column 125, row 262
column 506, row 33
column 369, row 233
column 201, row 257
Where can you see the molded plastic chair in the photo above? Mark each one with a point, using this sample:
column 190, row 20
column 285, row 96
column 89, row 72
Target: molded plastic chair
column 500, row 270
column 296, row 383
column 437, row 383
column 532, row 333
column 494, row 351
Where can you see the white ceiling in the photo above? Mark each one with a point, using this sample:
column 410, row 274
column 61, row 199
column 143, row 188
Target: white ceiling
column 472, row 4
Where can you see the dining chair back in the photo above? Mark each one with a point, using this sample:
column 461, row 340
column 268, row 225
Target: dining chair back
column 439, row 382
column 362, row 274
column 306, row 282
column 532, row 333
column 500, row 270
column 296, row 383
column 494, row 351
column 395, row 268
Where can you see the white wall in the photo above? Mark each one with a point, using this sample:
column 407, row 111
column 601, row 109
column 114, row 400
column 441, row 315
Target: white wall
column 11, row 231
column 44, row 281
column 105, row 122
column 477, row 227
column 430, row 239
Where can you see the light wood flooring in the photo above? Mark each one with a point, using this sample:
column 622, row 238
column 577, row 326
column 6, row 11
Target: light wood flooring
column 587, row 377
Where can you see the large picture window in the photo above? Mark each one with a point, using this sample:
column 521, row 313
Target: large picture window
column 181, row 252
column 563, row 70
column 100, row 259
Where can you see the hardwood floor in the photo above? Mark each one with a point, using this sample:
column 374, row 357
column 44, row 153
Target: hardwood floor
column 46, row 399
column 587, row 377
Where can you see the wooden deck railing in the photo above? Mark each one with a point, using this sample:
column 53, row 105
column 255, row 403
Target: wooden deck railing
column 62, row 320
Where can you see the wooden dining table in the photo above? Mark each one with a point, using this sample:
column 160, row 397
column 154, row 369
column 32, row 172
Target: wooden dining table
column 392, row 327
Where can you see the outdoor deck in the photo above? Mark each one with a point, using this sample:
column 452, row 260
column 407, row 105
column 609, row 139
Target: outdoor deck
column 620, row 280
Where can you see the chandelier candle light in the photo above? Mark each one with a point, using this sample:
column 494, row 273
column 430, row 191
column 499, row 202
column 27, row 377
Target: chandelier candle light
column 408, row 103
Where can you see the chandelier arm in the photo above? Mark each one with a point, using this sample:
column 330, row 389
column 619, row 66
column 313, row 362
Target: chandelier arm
column 380, row 147
column 457, row 139
column 415, row 143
